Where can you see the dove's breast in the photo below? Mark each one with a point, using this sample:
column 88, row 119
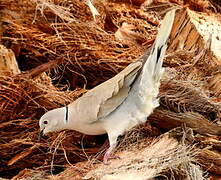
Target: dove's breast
column 89, row 128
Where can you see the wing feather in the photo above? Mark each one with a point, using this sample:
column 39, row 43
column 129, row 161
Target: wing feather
column 106, row 97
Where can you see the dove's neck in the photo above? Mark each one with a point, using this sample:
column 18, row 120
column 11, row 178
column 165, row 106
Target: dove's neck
column 79, row 120
column 65, row 121
column 60, row 118
column 70, row 118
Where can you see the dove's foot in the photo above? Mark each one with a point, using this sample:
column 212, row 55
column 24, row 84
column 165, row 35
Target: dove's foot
column 107, row 157
column 109, row 154
column 114, row 157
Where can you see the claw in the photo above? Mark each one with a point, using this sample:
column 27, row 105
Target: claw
column 107, row 156
column 114, row 157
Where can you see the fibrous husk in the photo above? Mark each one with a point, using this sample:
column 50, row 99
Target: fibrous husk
column 86, row 47
column 8, row 63
column 87, row 50
column 164, row 154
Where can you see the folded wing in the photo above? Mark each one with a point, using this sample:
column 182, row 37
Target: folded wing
column 105, row 98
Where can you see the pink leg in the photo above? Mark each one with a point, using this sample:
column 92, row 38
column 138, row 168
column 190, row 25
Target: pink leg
column 109, row 153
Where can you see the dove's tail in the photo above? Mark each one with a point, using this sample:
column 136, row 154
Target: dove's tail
column 152, row 69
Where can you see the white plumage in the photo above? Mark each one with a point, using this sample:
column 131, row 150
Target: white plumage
column 120, row 103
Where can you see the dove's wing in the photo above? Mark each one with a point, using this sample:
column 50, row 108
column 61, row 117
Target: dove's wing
column 105, row 98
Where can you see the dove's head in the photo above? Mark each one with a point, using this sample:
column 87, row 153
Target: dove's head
column 52, row 121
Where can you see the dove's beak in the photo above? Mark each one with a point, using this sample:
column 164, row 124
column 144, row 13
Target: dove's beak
column 41, row 134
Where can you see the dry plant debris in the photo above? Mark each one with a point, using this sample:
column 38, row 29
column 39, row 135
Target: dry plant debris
column 150, row 162
column 79, row 51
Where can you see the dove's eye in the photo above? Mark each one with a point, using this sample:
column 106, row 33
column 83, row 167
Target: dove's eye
column 45, row 122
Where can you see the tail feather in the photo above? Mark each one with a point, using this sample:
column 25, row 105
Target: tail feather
column 160, row 45
column 152, row 69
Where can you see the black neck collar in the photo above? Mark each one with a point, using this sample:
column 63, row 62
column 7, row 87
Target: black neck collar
column 66, row 114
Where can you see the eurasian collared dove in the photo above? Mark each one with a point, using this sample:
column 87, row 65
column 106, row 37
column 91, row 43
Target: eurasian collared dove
column 120, row 103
